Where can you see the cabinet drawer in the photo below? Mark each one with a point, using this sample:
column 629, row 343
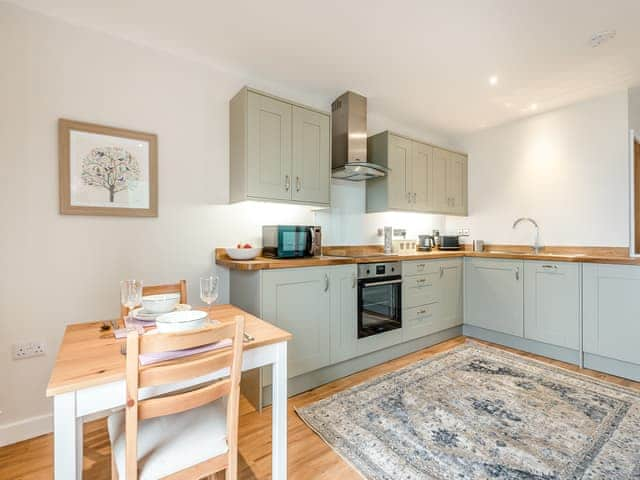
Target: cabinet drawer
column 420, row 267
column 418, row 290
column 420, row 321
column 417, row 315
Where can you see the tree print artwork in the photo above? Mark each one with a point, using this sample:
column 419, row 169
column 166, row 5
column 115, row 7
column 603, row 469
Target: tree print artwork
column 111, row 168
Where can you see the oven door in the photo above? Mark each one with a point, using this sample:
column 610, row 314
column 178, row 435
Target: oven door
column 379, row 306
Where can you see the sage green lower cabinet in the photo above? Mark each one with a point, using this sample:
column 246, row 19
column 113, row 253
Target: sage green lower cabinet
column 299, row 301
column 431, row 296
column 494, row 295
column 552, row 303
column 449, row 291
column 344, row 312
column 611, row 317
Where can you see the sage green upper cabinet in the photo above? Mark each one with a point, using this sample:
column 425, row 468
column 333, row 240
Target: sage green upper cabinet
column 494, row 295
column 269, row 148
column 298, row 301
column 399, row 178
column 423, row 178
column 279, row 150
column 611, row 311
column 449, row 182
column 552, row 303
column 311, row 156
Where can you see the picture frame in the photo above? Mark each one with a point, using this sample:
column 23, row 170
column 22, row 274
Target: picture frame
column 107, row 170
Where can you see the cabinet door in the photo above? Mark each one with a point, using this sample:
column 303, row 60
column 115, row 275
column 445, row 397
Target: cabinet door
column 422, row 156
column 441, row 203
column 449, row 293
column 269, row 148
column 552, row 303
column 494, row 295
column 456, row 183
column 400, row 165
column 298, row 301
column 344, row 313
column 311, row 156
column 611, row 311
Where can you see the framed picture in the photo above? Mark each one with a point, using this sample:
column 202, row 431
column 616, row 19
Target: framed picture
column 107, row 171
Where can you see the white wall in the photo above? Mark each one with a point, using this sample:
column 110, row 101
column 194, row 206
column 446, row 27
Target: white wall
column 568, row 169
column 60, row 269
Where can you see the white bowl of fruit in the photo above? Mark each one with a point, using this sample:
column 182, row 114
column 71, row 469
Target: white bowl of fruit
column 243, row 252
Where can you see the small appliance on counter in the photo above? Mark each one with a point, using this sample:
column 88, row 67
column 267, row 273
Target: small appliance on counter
column 450, row 242
column 425, row 243
column 436, row 238
column 291, row 241
column 478, row 245
column 388, row 240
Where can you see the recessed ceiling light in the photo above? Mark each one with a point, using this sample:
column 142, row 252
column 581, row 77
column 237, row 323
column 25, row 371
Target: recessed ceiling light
column 599, row 38
column 533, row 106
column 493, row 80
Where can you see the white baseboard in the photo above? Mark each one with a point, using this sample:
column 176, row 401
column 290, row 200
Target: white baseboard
column 25, row 429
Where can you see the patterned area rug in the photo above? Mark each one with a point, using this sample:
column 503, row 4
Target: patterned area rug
column 477, row 412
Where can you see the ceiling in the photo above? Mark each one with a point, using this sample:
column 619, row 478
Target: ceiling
column 425, row 63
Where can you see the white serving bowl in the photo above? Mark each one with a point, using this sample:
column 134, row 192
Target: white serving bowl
column 162, row 303
column 180, row 321
column 243, row 253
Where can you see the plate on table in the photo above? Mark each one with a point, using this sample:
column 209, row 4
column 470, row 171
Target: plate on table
column 181, row 320
column 143, row 315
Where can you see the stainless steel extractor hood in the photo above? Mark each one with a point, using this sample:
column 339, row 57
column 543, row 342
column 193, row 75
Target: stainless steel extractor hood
column 349, row 140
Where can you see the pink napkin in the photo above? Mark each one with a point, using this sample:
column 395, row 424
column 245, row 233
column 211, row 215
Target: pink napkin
column 150, row 358
column 137, row 322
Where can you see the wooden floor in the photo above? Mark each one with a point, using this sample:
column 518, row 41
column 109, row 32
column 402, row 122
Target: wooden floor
column 309, row 457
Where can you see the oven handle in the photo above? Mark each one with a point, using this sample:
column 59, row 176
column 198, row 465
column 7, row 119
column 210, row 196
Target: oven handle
column 376, row 284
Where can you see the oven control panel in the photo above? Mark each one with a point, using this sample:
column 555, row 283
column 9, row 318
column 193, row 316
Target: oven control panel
column 375, row 270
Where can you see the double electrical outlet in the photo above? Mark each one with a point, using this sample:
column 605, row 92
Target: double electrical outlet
column 28, row 349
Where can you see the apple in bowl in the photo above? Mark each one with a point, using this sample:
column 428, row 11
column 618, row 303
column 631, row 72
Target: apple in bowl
column 243, row 251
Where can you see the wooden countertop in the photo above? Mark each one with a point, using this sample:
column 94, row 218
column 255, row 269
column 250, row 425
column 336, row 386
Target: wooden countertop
column 344, row 255
column 89, row 356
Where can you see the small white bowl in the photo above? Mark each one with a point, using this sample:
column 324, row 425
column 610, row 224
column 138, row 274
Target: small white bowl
column 162, row 303
column 180, row 321
column 243, row 253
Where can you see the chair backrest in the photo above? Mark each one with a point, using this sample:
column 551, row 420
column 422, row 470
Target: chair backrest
column 178, row 370
column 180, row 287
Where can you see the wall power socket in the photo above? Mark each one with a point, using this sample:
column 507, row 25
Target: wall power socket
column 28, row 350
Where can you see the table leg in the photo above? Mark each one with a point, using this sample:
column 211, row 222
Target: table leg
column 67, row 438
column 279, row 414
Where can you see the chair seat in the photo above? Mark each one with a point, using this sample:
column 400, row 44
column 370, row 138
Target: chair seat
column 174, row 442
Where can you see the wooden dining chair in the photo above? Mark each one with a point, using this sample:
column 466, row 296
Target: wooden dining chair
column 180, row 287
column 188, row 434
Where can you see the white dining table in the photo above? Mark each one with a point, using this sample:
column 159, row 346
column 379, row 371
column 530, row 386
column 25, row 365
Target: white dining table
column 88, row 379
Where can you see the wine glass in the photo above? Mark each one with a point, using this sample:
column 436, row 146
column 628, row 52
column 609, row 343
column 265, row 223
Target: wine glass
column 209, row 290
column 130, row 294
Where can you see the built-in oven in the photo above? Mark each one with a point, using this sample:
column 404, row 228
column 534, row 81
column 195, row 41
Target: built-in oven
column 379, row 298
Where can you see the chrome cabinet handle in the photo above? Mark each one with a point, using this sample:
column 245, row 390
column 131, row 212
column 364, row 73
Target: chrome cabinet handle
column 353, row 281
column 441, row 271
column 287, row 182
column 421, row 266
column 550, row 267
column 326, row 282
column 414, row 197
column 517, row 271
column 409, row 197
column 297, row 184
column 422, row 312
